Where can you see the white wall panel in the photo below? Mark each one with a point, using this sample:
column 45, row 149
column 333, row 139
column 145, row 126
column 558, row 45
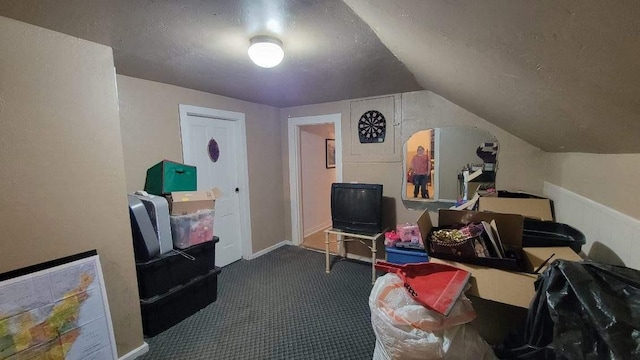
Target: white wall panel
column 620, row 233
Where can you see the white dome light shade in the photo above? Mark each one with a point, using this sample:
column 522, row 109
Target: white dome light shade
column 266, row 51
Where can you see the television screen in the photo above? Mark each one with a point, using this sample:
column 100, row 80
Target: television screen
column 356, row 208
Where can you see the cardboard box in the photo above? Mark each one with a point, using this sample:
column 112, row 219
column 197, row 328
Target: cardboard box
column 507, row 287
column 494, row 320
column 509, row 226
column 190, row 202
column 539, row 209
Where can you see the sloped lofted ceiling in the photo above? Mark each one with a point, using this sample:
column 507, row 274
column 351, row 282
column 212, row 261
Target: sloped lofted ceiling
column 563, row 75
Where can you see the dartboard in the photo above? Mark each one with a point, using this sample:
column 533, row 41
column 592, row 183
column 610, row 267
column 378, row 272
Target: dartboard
column 372, row 127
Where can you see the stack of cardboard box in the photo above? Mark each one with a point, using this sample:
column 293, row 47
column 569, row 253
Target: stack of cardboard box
column 502, row 294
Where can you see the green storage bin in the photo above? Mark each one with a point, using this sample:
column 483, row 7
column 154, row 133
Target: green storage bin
column 167, row 176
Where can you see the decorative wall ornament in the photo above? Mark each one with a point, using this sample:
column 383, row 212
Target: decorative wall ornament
column 372, row 127
column 213, row 150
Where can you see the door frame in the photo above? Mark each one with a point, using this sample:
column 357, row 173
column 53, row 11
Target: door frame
column 242, row 166
column 295, row 178
column 436, row 166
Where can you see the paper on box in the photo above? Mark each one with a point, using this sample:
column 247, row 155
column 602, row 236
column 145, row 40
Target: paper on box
column 190, row 202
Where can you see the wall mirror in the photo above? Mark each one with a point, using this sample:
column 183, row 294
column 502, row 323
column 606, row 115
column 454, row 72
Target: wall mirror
column 445, row 154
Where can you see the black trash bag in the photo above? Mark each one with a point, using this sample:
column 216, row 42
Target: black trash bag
column 582, row 310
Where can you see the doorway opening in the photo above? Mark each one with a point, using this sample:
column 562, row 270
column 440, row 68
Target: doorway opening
column 315, row 162
column 425, row 139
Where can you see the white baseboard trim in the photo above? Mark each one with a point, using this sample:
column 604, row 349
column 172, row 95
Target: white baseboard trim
column 270, row 248
column 136, row 353
column 315, row 229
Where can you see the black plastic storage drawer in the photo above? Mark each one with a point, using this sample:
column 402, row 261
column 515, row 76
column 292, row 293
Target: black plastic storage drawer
column 159, row 275
column 162, row 312
column 538, row 233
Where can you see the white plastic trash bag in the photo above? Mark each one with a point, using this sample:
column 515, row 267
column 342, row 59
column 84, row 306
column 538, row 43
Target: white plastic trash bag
column 407, row 330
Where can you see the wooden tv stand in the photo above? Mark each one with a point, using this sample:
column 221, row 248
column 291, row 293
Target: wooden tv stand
column 343, row 236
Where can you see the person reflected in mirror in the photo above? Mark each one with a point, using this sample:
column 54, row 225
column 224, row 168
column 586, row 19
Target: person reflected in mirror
column 421, row 169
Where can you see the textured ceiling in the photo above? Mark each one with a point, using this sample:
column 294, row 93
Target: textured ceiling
column 563, row 75
column 330, row 53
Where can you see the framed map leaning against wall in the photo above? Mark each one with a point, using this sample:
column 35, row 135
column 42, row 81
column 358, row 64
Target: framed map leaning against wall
column 62, row 306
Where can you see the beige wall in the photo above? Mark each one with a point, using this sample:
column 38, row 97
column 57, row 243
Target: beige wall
column 521, row 165
column 151, row 132
column 611, row 180
column 62, row 179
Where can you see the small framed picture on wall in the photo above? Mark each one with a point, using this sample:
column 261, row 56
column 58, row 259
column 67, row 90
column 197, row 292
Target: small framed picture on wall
column 330, row 153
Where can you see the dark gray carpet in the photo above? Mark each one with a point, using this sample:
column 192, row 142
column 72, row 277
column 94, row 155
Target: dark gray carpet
column 281, row 305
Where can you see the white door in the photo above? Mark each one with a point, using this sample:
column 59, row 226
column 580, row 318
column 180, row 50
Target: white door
column 197, row 134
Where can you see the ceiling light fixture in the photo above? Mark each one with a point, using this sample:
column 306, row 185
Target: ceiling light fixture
column 266, row 51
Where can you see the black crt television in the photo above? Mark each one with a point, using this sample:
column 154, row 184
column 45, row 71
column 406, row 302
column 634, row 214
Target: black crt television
column 356, row 208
